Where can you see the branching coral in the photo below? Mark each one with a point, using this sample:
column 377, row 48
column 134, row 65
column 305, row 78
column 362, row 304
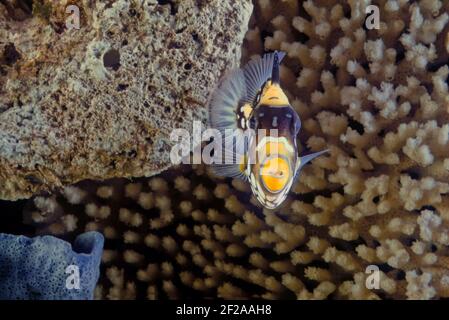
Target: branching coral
column 378, row 99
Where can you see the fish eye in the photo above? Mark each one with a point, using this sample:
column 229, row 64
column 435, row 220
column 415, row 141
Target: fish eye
column 295, row 122
column 259, row 94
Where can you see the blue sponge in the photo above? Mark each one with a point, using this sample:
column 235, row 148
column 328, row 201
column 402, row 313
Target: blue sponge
column 47, row 268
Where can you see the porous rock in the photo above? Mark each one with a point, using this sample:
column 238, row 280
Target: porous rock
column 100, row 101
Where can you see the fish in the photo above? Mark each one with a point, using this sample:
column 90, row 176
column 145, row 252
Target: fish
column 250, row 102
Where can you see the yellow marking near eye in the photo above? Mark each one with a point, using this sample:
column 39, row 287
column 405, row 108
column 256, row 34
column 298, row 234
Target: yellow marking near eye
column 275, row 173
column 246, row 110
column 242, row 165
column 273, row 95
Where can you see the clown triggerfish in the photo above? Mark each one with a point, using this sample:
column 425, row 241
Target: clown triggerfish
column 251, row 100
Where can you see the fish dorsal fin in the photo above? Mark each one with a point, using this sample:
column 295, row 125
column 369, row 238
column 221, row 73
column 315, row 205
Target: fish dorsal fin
column 275, row 70
column 259, row 71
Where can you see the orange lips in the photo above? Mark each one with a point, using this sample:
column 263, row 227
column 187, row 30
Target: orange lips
column 275, row 172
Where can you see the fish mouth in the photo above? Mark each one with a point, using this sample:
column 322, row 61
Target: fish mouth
column 275, row 172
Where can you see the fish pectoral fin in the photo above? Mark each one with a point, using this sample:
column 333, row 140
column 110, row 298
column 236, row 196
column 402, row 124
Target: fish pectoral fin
column 225, row 100
column 306, row 159
column 236, row 170
column 229, row 170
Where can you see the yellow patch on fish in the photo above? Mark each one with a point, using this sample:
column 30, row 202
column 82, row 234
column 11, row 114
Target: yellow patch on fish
column 273, row 95
column 246, row 110
column 243, row 163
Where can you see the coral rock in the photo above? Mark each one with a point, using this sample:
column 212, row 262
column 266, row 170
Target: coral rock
column 101, row 101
